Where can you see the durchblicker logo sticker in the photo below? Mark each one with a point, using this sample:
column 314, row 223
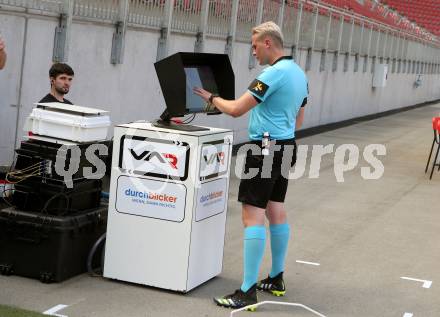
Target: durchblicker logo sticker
column 154, row 157
column 211, row 199
column 151, row 198
column 214, row 160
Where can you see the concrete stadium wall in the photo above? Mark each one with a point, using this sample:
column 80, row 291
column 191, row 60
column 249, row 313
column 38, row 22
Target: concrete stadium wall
column 130, row 91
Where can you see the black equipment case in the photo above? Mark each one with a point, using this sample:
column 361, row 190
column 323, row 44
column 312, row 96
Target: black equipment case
column 32, row 152
column 45, row 247
column 46, row 195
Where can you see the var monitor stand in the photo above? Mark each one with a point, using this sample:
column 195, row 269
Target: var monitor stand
column 166, row 123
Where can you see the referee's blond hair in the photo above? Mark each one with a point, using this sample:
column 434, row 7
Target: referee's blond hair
column 271, row 29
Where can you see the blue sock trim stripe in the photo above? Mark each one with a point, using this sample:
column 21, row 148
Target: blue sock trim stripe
column 255, row 232
column 279, row 228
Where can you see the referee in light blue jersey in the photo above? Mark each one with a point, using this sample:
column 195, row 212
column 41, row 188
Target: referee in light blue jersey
column 276, row 99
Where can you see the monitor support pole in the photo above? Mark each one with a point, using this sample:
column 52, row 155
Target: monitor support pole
column 166, row 123
column 165, row 116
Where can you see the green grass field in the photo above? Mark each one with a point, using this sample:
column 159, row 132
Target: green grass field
column 6, row 311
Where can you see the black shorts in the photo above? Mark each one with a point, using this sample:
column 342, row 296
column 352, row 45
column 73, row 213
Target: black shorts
column 270, row 182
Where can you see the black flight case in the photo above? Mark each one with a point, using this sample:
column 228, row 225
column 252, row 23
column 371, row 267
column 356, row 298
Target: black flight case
column 48, row 247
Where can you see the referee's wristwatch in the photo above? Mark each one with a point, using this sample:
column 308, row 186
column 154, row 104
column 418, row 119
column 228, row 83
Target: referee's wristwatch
column 211, row 98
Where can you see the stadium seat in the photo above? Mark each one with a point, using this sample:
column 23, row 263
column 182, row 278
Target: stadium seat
column 425, row 13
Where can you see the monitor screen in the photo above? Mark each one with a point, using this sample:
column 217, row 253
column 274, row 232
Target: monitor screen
column 180, row 73
column 198, row 76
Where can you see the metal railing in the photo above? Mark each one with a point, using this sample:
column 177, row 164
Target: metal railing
column 305, row 24
column 186, row 16
column 219, row 17
column 147, row 13
column 43, row 5
column 97, row 9
column 246, row 18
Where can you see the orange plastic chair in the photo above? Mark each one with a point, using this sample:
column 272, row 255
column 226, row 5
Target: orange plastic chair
column 436, row 140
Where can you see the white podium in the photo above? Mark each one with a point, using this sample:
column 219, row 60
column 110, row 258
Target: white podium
column 167, row 208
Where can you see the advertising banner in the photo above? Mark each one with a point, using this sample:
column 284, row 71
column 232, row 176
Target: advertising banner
column 154, row 157
column 211, row 199
column 151, row 198
column 214, row 160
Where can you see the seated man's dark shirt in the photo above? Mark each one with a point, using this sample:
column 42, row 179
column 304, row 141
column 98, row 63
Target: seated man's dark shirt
column 51, row 98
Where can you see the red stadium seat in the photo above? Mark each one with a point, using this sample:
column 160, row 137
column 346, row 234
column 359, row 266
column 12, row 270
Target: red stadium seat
column 425, row 13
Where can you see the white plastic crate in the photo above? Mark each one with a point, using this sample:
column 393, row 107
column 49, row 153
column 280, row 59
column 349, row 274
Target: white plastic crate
column 68, row 122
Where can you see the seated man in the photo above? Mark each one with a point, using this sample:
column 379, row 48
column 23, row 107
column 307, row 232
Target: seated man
column 2, row 53
column 61, row 76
